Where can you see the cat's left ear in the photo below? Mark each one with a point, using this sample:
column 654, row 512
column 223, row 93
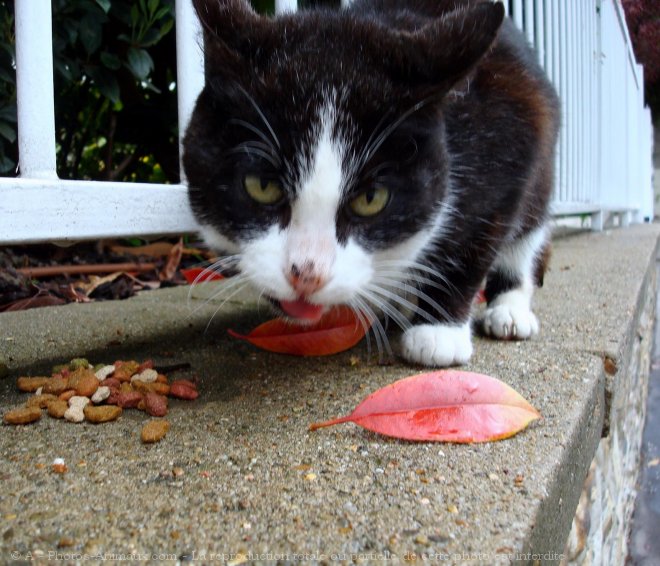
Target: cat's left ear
column 440, row 54
column 234, row 34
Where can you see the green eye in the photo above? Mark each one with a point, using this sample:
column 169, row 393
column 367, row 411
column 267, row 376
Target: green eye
column 263, row 191
column 370, row 202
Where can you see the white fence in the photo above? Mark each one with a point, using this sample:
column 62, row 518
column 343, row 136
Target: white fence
column 603, row 165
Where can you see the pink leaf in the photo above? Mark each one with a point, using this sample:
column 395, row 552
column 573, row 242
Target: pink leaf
column 450, row 406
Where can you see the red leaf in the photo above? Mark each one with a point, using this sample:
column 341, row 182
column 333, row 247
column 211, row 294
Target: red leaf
column 196, row 275
column 339, row 329
column 450, row 406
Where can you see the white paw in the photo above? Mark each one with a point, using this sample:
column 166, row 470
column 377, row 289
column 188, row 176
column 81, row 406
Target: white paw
column 510, row 322
column 439, row 345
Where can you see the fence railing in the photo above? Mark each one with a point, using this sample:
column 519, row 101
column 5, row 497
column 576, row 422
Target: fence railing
column 603, row 164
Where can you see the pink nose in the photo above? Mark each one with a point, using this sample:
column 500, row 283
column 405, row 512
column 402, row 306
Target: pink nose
column 304, row 279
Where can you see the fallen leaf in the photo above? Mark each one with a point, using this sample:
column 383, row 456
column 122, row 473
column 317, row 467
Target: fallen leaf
column 41, row 299
column 95, row 281
column 449, row 406
column 339, row 329
column 196, row 275
column 173, row 260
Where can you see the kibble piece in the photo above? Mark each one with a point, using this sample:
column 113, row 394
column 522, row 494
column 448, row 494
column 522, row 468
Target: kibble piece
column 156, row 387
column 55, row 385
column 125, row 370
column 104, row 372
column 84, row 381
column 78, row 363
column 183, row 389
column 40, row 401
column 22, row 415
column 155, row 405
column 56, row 408
column 75, row 412
column 102, row 413
column 74, row 415
column 154, row 430
column 127, row 399
column 31, row 384
column 146, row 376
column 101, row 394
column 66, row 395
column 59, row 466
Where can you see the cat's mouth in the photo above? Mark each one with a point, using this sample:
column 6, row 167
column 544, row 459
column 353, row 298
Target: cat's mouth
column 300, row 310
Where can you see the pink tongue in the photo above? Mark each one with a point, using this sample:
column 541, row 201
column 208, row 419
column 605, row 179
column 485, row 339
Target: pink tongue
column 302, row 309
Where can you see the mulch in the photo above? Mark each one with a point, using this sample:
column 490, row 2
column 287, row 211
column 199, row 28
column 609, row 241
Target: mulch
column 33, row 276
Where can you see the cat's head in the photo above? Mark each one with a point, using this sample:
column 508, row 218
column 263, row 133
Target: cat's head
column 316, row 151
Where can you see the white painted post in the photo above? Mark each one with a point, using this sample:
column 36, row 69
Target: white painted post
column 34, row 89
column 528, row 18
column 539, row 31
column 517, row 10
column 282, row 6
column 189, row 66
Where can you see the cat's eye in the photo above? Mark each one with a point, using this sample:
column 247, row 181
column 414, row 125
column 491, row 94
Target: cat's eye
column 263, row 191
column 370, row 202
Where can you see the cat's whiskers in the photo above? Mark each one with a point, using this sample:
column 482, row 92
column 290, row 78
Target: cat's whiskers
column 376, row 139
column 216, row 267
column 360, row 304
column 399, row 298
column 259, row 149
column 262, row 116
column 408, row 269
column 264, row 137
column 223, row 287
column 239, row 282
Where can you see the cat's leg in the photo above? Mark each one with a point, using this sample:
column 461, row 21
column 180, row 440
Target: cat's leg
column 448, row 341
column 517, row 270
column 440, row 345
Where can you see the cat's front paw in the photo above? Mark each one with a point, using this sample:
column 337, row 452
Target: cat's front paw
column 439, row 345
column 509, row 322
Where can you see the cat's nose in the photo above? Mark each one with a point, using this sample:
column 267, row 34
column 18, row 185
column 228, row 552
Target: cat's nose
column 305, row 279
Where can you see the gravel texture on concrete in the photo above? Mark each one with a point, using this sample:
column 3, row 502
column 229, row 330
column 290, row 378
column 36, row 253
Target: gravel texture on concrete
column 239, row 478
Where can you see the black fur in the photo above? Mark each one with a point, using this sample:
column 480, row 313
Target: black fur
column 472, row 110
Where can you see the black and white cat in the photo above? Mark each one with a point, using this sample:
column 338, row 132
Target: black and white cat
column 391, row 156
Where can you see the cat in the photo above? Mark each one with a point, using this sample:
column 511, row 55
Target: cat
column 392, row 156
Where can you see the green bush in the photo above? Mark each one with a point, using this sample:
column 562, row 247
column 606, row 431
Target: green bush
column 115, row 88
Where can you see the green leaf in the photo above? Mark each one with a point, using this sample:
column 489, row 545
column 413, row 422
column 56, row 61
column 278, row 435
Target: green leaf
column 6, row 77
column 90, row 33
column 153, row 6
column 106, row 82
column 105, row 5
column 167, row 26
column 135, row 15
column 140, row 63
column 6, row 164
column 110, row 60
column 164, row 11
column 7, row 132
column 8, row 113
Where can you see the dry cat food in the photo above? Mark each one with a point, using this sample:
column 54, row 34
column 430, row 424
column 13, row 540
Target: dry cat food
column 78, row 392
column 154, row 430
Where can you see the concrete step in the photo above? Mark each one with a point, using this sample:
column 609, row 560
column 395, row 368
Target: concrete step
column 253, row 482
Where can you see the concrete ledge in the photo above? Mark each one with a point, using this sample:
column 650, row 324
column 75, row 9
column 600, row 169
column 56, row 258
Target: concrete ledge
column 255, row 481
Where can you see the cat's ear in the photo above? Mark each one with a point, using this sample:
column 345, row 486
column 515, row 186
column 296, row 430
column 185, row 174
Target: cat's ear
column 440, row 54
column 233, row 34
